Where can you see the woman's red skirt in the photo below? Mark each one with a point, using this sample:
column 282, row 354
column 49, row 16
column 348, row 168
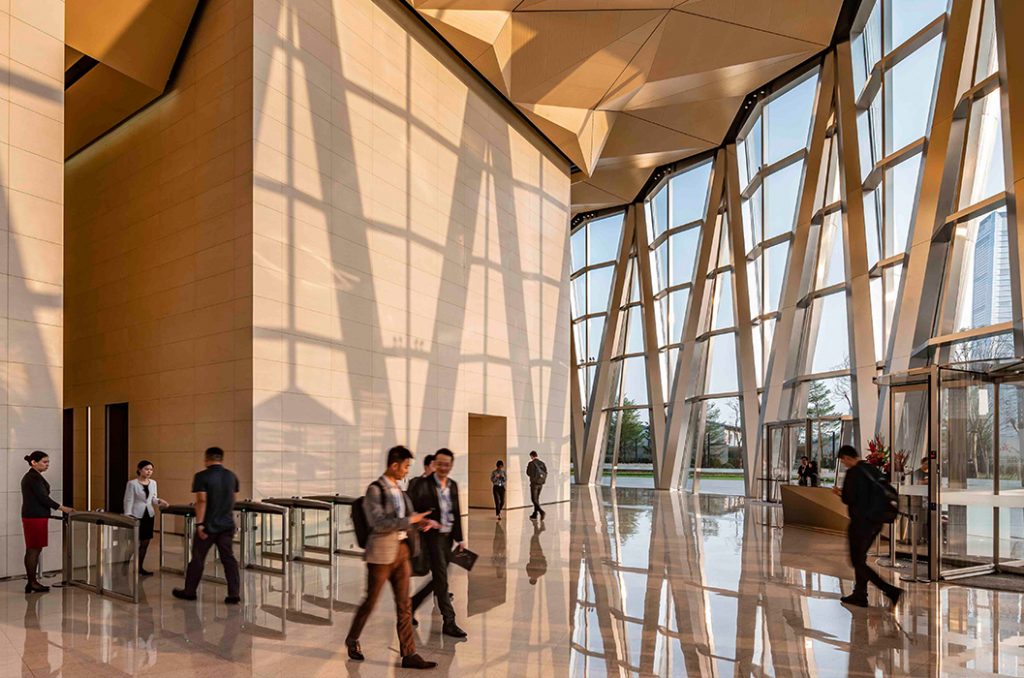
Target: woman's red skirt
column 36, row 532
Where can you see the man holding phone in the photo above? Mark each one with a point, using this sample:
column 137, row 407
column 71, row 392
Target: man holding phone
column 393, row 542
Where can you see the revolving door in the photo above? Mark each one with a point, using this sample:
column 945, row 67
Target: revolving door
column 955, row 458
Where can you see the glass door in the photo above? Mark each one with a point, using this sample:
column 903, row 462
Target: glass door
column 908, row 441
column 966, row 488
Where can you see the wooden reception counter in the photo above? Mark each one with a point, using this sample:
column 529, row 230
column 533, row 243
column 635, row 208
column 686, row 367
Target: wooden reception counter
column 815, row 507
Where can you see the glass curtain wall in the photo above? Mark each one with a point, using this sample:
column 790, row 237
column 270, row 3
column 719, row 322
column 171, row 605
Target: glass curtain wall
column 675, row 215
column 897, row 49
column 595, row 247
column 772, row 155
column 895, row 68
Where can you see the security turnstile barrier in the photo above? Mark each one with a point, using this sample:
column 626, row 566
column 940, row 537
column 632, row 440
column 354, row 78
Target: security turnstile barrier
column 311, row 526
column 264, row 531
column 344, row 531
column 101, row 553
column 186, row 515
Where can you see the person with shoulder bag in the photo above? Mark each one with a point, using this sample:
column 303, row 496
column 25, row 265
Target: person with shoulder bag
column 871, row 502
column 537, row 472
column 389, row 531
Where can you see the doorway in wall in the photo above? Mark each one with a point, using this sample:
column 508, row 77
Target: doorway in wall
column 116, row 456
column 487, row 444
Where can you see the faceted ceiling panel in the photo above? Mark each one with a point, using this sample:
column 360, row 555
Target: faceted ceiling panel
column 622, row 86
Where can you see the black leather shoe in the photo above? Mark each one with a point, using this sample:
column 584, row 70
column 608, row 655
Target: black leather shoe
column 145, row 573
column 414, row 622
column 232, row 600
column 414, row 661
column 355, row 653
column 855, row 600
column 36, row 587
column 894, row 594
column 533, row 516
column 543, row 515
column 182, row 594
column 452, row 629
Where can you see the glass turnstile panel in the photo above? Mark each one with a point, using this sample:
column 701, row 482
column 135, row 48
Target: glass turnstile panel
column 84, row 566
column 966, row 488
column 119, row 567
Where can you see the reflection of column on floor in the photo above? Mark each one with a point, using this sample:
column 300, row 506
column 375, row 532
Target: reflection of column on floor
column 488, row 584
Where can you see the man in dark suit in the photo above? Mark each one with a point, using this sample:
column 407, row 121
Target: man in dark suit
column 860, row 484
column 439, row 495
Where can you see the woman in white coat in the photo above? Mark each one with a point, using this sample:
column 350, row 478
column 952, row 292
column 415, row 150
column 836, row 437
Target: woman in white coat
column 140, row 501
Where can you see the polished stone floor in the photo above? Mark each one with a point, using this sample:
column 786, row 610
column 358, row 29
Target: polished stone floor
column 620, row 582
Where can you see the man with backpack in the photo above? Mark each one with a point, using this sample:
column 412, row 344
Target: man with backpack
column 386, row 526
column 537, row 472
column 870, row 502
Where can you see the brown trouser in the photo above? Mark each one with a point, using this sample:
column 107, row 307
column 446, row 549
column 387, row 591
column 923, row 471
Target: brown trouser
column 398, row 573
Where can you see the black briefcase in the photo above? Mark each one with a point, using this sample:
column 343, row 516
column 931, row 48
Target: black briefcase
column 463, row 558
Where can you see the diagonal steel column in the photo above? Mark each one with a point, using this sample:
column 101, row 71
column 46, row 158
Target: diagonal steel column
column 575, row 402
column 917, row 303
column 655, row 394
column 860, row 320
column 1011, row 80
column 675, row 460
column 745, row 369
column 590, row 462
column 788, row 353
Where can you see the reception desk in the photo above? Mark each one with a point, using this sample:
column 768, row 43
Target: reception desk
column 814, row 507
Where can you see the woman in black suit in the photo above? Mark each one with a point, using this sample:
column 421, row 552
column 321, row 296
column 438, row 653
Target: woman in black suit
column 36, row 506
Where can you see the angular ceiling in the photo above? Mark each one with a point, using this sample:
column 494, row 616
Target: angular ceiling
column 622, row 86
column 118, row 56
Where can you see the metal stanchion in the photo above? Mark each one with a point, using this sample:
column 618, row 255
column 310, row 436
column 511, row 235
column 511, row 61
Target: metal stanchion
column 914, row 577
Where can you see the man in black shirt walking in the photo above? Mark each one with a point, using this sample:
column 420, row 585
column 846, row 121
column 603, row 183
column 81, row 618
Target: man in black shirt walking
column 215, row 489
column 860, row 485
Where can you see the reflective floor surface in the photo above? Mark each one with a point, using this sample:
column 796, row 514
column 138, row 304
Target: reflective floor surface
column 620, row 582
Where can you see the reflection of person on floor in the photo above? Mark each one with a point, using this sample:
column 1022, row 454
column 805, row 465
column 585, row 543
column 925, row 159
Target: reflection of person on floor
column 859, row 488
column 537, row 566
column 37, row 642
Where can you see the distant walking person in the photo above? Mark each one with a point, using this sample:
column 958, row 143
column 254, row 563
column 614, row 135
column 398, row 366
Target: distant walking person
column 438, row 495
column 860, row 490
column 428, row 470
column 537, row 472
column 36, row 506
column 391, row 544
column 498, row 481
column 141, row 501
column 216, row 489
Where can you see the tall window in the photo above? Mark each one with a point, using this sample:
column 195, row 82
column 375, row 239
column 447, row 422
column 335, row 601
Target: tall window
column 772, row 155
column 896, row 54
column 595, row 247
column 977, row 295
column 675, row 215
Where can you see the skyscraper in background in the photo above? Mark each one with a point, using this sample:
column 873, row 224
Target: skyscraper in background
column 992, row 295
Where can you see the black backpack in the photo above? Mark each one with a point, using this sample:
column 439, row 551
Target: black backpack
column 359, row 522
column 883, row 504
column 540, row 472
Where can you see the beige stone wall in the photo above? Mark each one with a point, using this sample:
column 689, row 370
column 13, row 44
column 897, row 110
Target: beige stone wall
column 158, row 266
column 31, row 278
column 410, row 255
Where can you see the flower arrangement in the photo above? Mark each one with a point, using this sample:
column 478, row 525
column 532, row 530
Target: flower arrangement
column 883, row 457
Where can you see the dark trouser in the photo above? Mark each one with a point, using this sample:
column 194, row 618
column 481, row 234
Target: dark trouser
column 398, row 573
column 438, row 547
column 535, row 498
column 499, row 499
column 200, row 547
column 861, row 536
